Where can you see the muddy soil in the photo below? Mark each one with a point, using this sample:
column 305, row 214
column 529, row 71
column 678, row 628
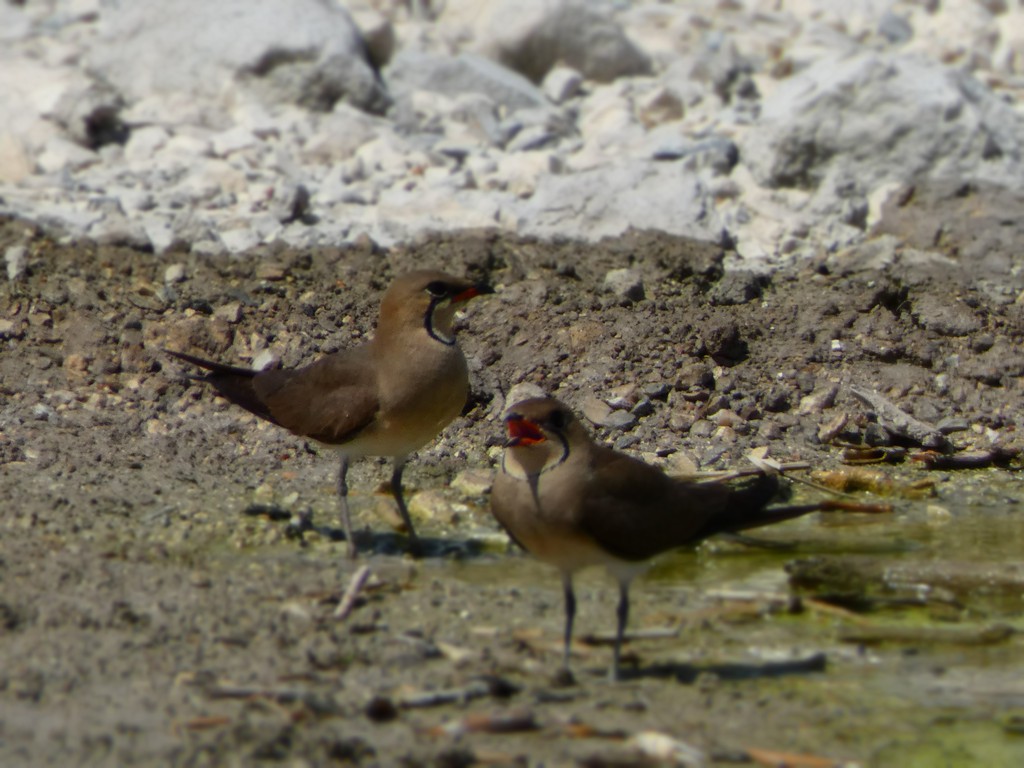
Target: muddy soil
column 159, row 605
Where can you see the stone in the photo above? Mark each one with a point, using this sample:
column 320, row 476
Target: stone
column 600, row 413
column 532, row 36
column 431, row 505
column 281, row 51
column 627, row 284
column 15, row 259
column 145, row 142
column 520, row 392
column 61, row 154
column 561, row 84
column 888, row 116
column 657, row 106
column 457, row 75
column 175, row 273
column 823, row 396
column 944, row 318
column 265, row 359
column 233, row 140
column 15, row 163
column 618, row 196
column 473, row 483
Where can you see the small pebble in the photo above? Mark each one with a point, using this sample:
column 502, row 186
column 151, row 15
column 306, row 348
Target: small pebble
column 175, row 273
column 625, row 283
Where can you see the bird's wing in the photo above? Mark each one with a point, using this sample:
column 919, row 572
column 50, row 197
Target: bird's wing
column 635, row 511
column 329, row 401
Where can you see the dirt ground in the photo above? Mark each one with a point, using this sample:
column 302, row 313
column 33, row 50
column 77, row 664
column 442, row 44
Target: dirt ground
column 159, row 607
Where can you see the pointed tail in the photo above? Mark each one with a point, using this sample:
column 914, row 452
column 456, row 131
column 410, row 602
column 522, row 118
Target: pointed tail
column 232, row 383
column 748, row 509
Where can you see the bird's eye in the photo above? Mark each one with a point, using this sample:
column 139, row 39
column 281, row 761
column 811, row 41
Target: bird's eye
column 558, row 420
column 437, row 289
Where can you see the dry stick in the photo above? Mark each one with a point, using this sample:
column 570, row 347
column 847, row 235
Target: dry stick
column 732, row 474
column 355, row 586
column 896, row 420
column 653, row 633
column 280, row 695
column 417, row 699
column 783, row 469
column 990, row 635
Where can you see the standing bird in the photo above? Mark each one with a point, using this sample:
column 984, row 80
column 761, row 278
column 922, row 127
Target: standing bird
column 388, row 397
column 573, row 503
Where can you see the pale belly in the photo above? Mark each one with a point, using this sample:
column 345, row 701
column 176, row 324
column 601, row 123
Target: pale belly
column 401, row 433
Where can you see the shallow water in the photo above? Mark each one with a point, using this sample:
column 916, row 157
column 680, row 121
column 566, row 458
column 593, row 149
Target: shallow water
column 899, row 703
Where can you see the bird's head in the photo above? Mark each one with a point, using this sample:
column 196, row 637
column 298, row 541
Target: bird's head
column 429, row 298
column 541, row 433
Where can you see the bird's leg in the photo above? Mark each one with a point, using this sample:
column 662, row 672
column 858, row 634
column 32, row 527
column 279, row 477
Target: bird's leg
column 396, row 490
column 346, row 518
column 623, row 617
column 570, row 616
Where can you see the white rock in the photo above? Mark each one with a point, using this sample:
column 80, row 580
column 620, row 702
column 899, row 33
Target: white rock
column 15, row 24
column 60, row 154
column 175, row 273
column 118, row 229
column 522, row 391
column 454, row 76
column 285, row 51
column 144, row 143
column 404, row 210
column 232, row 140
column 659, row 105
column 561, row 84
column 15, row 162
column 264, row 359
column 625, row 283
column 607, row 120
column 14, row 257
column 519, row 173
column 884, row 117
column 340, row 133
column 607, row 201
column 158, row 230
column 532, row 36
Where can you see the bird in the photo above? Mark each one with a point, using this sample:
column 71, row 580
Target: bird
column 387, row 397
column 574, row 503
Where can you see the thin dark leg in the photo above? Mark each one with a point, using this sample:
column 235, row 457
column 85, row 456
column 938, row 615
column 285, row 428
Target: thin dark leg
column 570, row 616
column 346, row 518
column 396, row 489
column 623, row 616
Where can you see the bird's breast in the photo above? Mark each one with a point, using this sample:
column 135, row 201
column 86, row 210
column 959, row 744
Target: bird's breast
column 421, row 390
column 545, row 520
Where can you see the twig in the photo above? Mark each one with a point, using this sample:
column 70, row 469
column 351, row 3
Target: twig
column 990, row 635
column 488, row 685
column 348, row 600
column 514, row 721
column 791, row 760
column 897, row 421
column 418, row 699
column 732, row 474
column 654, row 633
column 280, row 695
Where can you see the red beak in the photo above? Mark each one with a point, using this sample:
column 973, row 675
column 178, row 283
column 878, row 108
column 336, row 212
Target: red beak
column 522, row 431
column 472, row 292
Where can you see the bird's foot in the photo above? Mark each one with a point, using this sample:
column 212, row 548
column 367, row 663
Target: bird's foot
column 300, row 523
column 351, row 550
column 564, row 678
column 416, row 546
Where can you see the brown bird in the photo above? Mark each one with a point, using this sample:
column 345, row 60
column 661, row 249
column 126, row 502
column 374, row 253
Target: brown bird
column 388, row 397
column 573, row 503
